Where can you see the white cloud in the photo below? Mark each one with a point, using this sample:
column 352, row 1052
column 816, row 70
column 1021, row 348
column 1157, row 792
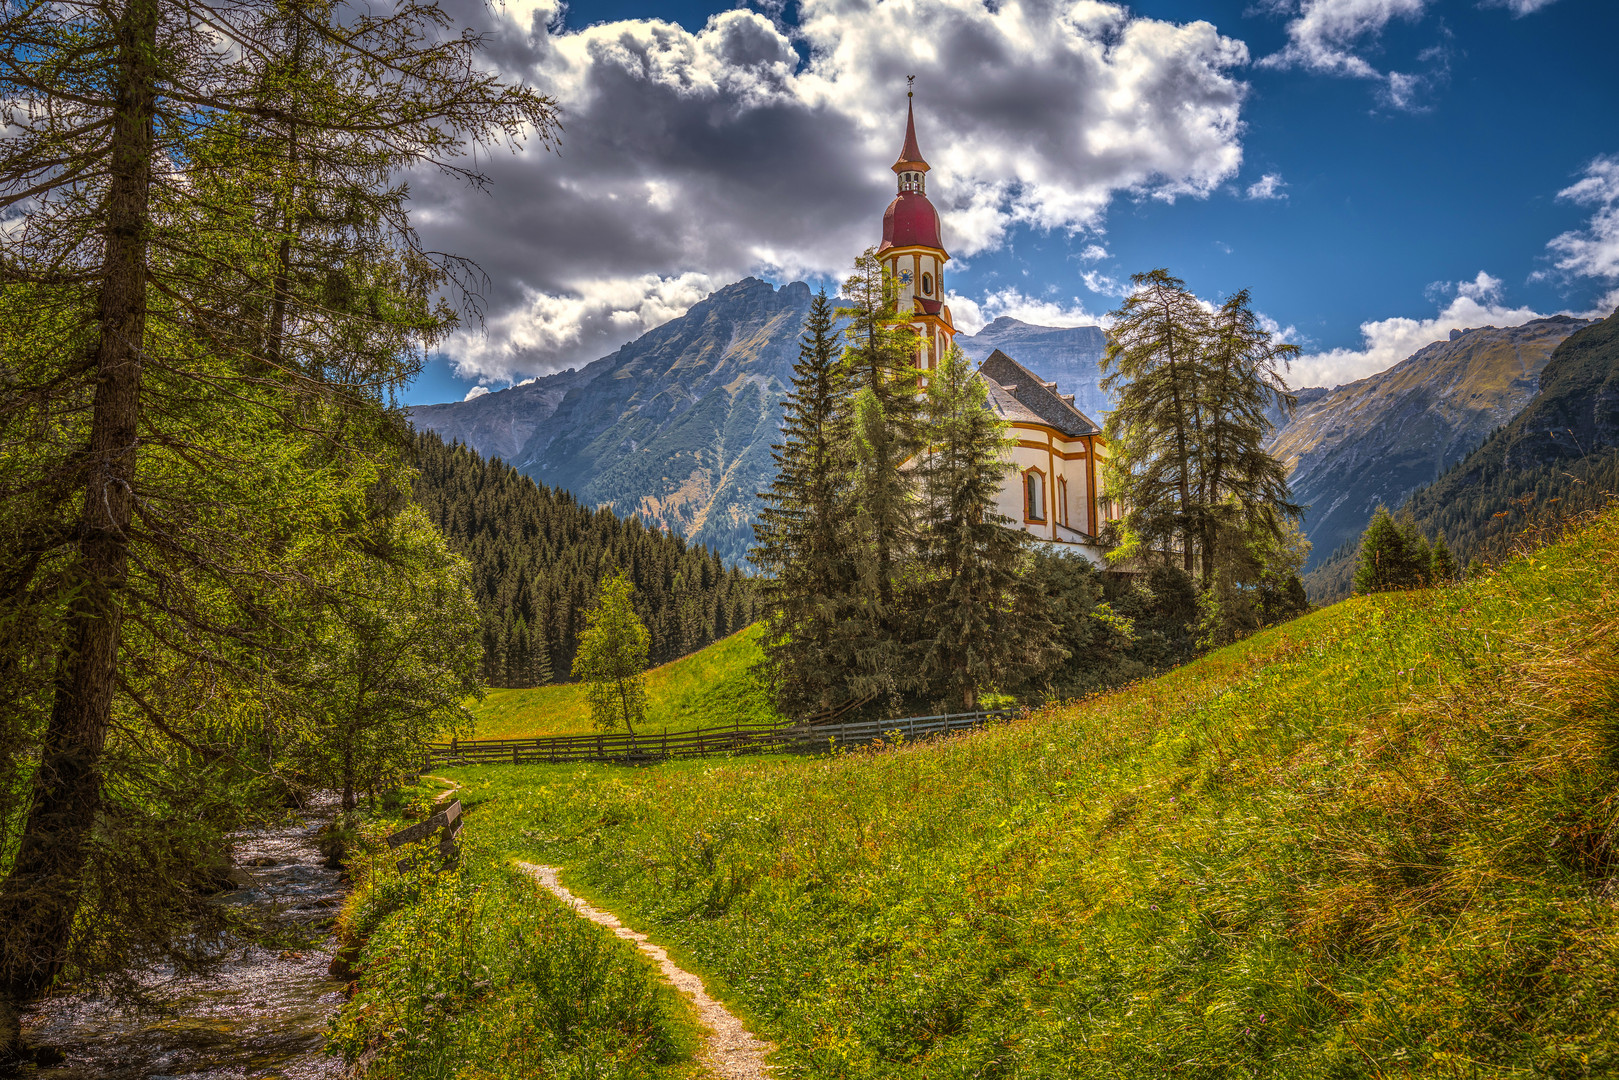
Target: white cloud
column 1325, row 34
column 1332, row 36
column 595, row 318
column 1103, row 285
column 1095, row 253
column 1388, row 341
column 1519, row 8
column 1268, row 186
column 972, row 315
column 1594, row 250
column 476, row 392
column 718, row 152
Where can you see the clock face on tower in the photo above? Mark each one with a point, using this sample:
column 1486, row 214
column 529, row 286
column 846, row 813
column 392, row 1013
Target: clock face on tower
column 904, row 277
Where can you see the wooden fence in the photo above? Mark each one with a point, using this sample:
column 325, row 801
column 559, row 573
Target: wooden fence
column 619, row 746
column 446, row 822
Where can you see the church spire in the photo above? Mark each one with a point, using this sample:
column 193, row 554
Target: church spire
column 911, row 164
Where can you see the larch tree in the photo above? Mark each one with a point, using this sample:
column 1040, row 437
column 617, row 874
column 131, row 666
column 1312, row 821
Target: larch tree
column 981, row 623
column 1187, row 440
column 1153, row 366
column 208, row 288
column 1242, row 484
column 612, row 657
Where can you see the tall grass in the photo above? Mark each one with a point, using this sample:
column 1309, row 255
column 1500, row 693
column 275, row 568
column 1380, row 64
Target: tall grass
column 712, row 687
column 476, row 973
column 1377, row 841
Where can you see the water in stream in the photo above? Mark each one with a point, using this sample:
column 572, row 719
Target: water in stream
column 262, row 1015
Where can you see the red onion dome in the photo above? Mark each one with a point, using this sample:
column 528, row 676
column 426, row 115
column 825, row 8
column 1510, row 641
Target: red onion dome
column 911, row 221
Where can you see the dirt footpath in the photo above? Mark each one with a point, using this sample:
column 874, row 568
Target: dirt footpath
column 730, row 1051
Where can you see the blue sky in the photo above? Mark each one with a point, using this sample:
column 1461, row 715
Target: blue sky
column 1416, row 163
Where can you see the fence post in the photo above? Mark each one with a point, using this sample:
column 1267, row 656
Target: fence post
column 514, row 753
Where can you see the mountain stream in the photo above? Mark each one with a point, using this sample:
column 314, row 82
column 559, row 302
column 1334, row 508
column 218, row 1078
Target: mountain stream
column 262, row 1015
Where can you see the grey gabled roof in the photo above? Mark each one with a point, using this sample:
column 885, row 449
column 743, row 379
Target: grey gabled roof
column 1016, row 393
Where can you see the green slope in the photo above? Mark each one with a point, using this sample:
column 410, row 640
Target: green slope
column 710, row 688
column 1377, row 841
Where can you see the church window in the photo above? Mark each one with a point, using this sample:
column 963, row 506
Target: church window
column 1034, row 496
column 927, row 284
column 1062, row 500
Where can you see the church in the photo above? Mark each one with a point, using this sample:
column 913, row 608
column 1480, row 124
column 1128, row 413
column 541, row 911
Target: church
column 1055, row 489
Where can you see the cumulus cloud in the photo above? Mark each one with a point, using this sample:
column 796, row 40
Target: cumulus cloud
column 542, row 326
column 476, row 392
column 1386, row 342
column 690, row 158
column 1103, row 285
column 1332, row 36
column 971, row 315
column 1594, row 250
column 1268, row 186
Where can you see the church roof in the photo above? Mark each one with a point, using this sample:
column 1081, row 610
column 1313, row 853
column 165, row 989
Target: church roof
column 910, row 156
column 911, row 221
column 1018, row 394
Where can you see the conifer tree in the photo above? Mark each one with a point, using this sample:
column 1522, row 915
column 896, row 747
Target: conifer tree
column 201, row 205
column 612, row 657
column 881, row 359
column 1154, row 365
column 980, row 625
column 1241, row 482
column 804, row 532
column 1187, row 452
column 1392, row 556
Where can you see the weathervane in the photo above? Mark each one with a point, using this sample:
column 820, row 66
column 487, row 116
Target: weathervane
column 910, row 83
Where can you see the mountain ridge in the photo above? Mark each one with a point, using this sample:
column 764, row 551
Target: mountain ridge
column 1375, row 440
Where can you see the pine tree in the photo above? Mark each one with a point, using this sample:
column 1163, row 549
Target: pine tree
column 804, row 533
column 1392, row 556
column 979, row 624
column 612, row 657
column 881, row 360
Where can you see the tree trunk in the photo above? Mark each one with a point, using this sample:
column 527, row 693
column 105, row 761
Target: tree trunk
column 40, row 898
column 349, row 802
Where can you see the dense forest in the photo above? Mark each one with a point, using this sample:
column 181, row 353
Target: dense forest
column 538, row 556
column 1555, row 459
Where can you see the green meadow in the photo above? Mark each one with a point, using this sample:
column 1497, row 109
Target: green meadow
column 1381, row 840
column 713, row 687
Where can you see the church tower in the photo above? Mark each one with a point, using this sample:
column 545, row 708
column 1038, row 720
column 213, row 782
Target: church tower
column 913, row 251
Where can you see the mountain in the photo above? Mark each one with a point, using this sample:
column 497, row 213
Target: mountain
column 1070, row 356
column 1559, row 455
column 675, row 427
column 1378, row 439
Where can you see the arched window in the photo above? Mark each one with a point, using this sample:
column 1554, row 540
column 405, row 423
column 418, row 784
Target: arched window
column 1062, row 500
column 1034, row 496
column 927, row 284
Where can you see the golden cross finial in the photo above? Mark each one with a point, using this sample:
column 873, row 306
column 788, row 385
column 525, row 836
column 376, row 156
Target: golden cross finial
column 910, row 83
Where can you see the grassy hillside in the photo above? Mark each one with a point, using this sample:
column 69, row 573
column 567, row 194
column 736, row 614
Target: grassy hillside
column 1377, row 841
column 709, row 688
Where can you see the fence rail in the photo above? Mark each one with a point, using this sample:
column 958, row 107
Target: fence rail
column 699, row 742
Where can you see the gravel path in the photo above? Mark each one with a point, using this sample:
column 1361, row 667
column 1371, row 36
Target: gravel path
column 730, row 1051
